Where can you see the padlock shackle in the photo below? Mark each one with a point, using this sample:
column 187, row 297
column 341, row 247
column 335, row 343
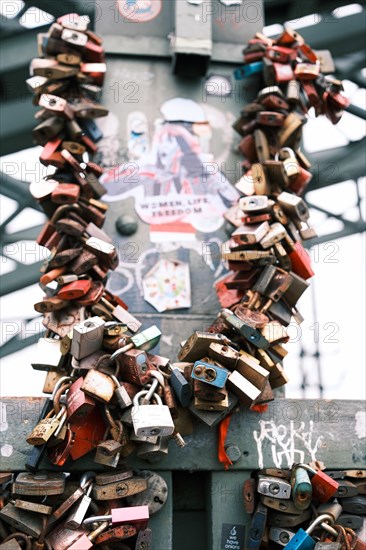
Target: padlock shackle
column 288, row 150
column 305, row 466
column 86, row 477
column 145, row 392
column 60, row 383
column 323, row 518
column 97, row 519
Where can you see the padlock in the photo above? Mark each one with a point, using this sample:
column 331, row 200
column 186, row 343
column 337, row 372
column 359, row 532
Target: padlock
column 244, row 329
column 280, row 535
column 39, row 484
column 151, row 419
column 324, row 487
column 116, row 535
column 332, row 508
column 248, row 149
column 88, row 432
column 283, row 520
column 61, row 538
column 48, row 355
column 25, row 521
column 210, row 373
column 301, row 263
column 87, row 337
column 250, row 234
column 255, row 204
column 98, row 385
column 275, row 234
column 56, row 106
column 76, row 517
column 197, row 345
column 354, row 505
column 59, row 453
column 257, row 527
column 210, row 405
column 301, row 488
column 33, row 506
column 42, row 432
column 282, row 505
column 302, row 539
column 328, row 546
column 243, row 389
column 223, row 354
column 182, row 388
column 208, row 392
column 153, row 452
column 278, row 488
column 108, row 451
column 144, row 540
column 78, row 403
column 133, row 366
column 346, row 489
column 249, row 367
column 119, row 489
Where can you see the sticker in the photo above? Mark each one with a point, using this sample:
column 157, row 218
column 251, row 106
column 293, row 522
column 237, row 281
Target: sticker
column 139, row 11
column 175, row 190
column 232, row 536
column 167, row 285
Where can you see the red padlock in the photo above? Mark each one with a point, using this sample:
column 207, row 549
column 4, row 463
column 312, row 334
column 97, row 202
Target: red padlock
column 79, row 405
column 324, row 486
column 280, row 54
column 66, row 193
column 301, row 262
column 248, row 148
column 88, row 433
column 307, row 71
column 283, row 73
column 76, row 289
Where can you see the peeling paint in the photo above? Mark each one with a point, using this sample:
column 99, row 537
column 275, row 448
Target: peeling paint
column 6, row 450
column 3, row 422
column 360, row 427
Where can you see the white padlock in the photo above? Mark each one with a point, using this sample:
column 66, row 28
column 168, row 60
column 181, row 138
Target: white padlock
column 149, row 420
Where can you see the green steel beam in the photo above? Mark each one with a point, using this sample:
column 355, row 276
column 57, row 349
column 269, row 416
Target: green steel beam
column 338, row 164
column 21, row 277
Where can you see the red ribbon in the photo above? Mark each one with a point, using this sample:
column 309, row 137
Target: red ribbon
column 222, row 456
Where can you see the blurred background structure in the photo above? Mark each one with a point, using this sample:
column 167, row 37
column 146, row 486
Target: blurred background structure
column 327, row 353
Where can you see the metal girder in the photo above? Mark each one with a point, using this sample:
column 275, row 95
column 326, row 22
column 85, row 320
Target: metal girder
column 338, row 164
column 341, row 36
column 17, row 191
column 290, row 10
column 21, row 277
column 17, row 343
column 17, row 122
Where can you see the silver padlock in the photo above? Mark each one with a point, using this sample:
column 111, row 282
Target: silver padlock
column 76, row 518
column 149, row 419
column 274, row 487
column 48, row 355
column 121, row 394
column 87, row 337
column 280, row 535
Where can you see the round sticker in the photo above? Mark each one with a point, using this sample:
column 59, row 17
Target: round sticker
column 139, row 11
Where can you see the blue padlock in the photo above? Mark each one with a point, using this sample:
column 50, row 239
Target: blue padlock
column 247, row 70
column 210, row 374
column 91, row 129
column 257, row 527
column 302, row 489
column 302, row 540
column 181, row 387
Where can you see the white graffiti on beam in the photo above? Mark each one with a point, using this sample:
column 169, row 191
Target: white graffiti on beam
column 284, row 442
